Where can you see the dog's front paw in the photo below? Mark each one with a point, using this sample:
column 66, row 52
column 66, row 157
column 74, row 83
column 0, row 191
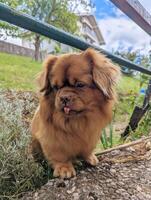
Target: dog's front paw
column 92, row 160
column 63, row 170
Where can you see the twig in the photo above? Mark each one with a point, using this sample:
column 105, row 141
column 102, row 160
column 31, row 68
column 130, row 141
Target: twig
column 123, row 146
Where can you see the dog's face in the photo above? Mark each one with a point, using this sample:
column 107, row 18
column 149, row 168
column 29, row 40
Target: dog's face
column 78, row 82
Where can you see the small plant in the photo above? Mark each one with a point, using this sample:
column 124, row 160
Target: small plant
column 107, row 139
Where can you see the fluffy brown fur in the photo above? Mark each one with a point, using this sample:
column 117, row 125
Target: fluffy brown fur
column 77, row 96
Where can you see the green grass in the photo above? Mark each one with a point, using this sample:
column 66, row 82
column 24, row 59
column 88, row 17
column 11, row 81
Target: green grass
column 128, row 85
column 128, row 96
column 17, row 72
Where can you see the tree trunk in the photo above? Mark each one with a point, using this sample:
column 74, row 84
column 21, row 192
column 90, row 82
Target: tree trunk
column 37, row 47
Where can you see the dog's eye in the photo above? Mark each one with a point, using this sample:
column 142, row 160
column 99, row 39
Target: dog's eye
column 79, row 84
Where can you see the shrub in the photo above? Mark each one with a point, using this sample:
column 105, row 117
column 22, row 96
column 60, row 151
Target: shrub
column 18, row 171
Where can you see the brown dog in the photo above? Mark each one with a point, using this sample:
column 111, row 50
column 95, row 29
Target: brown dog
column 77, row 96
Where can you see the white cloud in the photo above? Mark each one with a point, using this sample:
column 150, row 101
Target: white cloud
column 122, row 33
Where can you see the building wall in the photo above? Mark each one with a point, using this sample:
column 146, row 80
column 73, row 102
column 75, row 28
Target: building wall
column 88, row 31
column 18, row 50
column 48, row 46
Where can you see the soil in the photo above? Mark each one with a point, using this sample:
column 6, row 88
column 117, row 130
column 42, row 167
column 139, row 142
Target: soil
column 122, row 174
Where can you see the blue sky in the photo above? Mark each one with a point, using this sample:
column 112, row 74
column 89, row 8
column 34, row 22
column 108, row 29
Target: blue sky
column 118, row 30
column 104, row 8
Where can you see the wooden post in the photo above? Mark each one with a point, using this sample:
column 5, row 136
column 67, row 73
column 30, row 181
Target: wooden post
column 138, row 113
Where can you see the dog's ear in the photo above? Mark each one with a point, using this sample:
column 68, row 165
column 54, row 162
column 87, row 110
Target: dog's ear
column 43, row 78
column 105, row 73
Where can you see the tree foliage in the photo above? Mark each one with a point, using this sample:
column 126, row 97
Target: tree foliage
column 7, row 29
column 60, row 13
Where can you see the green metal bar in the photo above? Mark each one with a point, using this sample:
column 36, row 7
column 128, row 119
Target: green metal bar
column 27, row 22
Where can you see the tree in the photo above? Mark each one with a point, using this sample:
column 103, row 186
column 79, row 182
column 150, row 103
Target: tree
column 7, row 29
column 55, row 12
column 130, row 56
column 139, row 59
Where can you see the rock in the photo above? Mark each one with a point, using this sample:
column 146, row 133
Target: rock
column 138, row 188
column 113, row 171
column 130, row 149
column 71, row 190
column 115, row 152
column 148, row 146
column 75, row 196
column 108, row 181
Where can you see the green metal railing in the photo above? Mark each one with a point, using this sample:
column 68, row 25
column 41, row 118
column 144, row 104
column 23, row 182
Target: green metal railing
column 30, row 23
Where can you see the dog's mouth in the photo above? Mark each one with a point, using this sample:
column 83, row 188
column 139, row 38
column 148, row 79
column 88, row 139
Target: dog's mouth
column 69, row 111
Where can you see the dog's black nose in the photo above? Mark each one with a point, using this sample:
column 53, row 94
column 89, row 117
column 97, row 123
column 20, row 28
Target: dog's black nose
column 65, row 99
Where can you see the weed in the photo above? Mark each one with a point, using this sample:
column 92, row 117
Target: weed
column 107, row 140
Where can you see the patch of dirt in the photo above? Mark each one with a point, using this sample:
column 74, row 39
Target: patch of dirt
column 120, row 175
column 120, row 126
